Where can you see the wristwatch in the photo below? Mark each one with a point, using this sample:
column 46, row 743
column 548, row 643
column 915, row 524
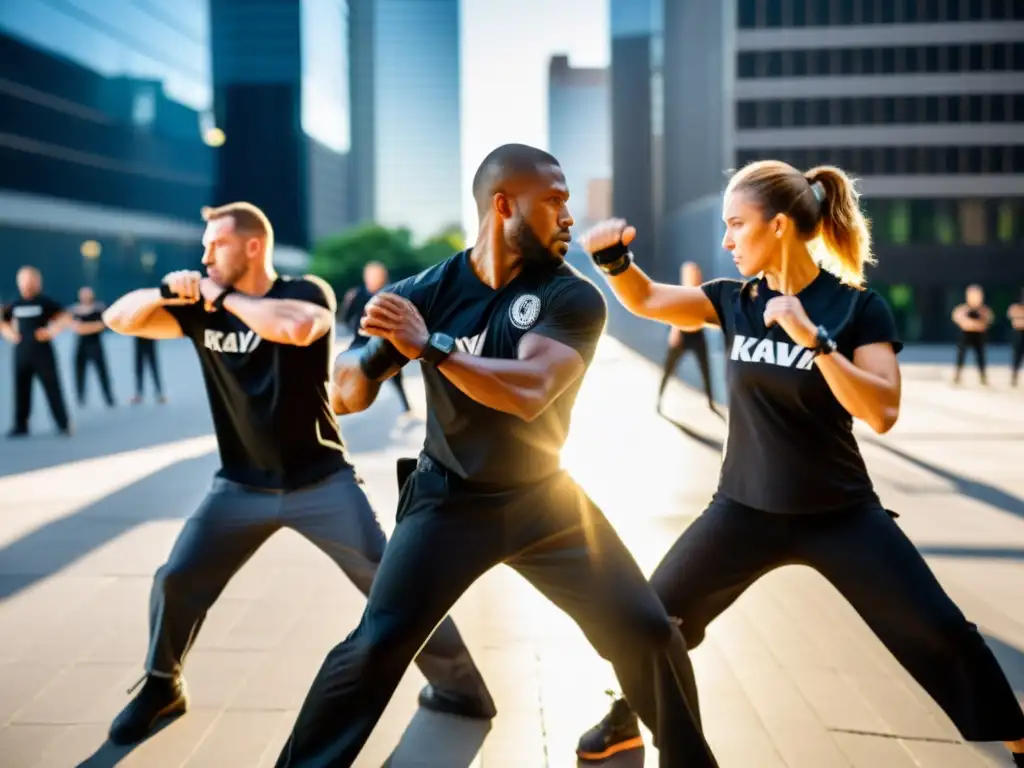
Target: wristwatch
column 826, row 344
column 437, row 349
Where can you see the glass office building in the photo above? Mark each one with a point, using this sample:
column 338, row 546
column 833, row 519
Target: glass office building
column 103, row 166
column 406, row 106
column 920, row 101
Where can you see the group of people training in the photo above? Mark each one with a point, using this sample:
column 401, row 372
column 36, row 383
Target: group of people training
column 973, row 318
column 504, row 333
column 32, row 321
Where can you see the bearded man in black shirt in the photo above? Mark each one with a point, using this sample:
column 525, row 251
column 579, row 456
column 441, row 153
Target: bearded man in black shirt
column 265, row 345
column 505, row 332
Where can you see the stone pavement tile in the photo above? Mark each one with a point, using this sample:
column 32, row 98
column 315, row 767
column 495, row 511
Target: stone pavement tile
column 174, row 744
column 943, row 755
column 240, row 738
column 279, row 682
column 875, row 752
column 84, row 693
column 21, row 683
column 22, row 745
column 215, row 677
column 72, row 747
column 518, row 739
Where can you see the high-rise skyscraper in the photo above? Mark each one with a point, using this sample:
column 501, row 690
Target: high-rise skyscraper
column 280, row 73
column 406, row 106
column 103, row 168
column 920, row 101
column 579, row 135
column 636, row 118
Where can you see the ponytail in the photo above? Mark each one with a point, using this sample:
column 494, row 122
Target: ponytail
column 843, row 229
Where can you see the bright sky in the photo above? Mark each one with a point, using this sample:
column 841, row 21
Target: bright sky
column 506, row 47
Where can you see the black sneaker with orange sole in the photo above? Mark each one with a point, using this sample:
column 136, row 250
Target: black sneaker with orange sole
column 619, row 731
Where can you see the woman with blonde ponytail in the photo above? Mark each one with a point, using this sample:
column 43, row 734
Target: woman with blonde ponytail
column 809, row 349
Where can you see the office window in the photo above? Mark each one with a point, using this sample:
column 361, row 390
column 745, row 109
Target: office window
column 948, row 160
column 999, row 108
column 747, row 13
column 771, row 12
column 955, row 58
column 1000, row 53
column 822, row 12
column 799, row 112
column 799, row 13
column 975, row 59
column 972, row 222
column 975, row 10
column 887, row 61
column 1006, row 222
column 1017, row 56
column 929, row 109
column 945, row 222
column 1018, row 107
column 898, row 224
column 975, row 109
column 970, row 159
column 746, row 114
column 1017, row 159
column 746, row 65
column 774, row 64
column 799, row 63
column 931, row 59
column 774, row 114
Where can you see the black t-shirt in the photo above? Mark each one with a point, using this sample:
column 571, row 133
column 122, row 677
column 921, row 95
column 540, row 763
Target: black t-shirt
column 29, row 315
column 93, row 315
column 477, row 443
column 353, row 314
column 790, row 445
column 270, row 406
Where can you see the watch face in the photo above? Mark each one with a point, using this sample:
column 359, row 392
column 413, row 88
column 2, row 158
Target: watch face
column 443, row 342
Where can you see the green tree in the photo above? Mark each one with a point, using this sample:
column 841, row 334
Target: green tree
column 339, row 259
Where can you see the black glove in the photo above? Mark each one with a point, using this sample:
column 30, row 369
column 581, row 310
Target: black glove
column 613, row 260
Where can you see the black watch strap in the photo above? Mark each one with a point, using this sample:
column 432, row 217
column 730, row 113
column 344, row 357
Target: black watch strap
column 218, row 303
column 826, row 344
column 437, row 349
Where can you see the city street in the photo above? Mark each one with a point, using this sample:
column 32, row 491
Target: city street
column 789, row 677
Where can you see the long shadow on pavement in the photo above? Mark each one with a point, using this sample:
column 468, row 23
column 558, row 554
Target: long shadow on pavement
column 168, row 494
column 974, row 489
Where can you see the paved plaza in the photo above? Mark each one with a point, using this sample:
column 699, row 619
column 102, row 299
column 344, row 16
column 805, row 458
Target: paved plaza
column 789, row 677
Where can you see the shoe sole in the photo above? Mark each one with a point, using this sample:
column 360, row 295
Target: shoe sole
column 622, row 746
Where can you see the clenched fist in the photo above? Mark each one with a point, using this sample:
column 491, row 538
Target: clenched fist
column 185, row 285
column 607, row 234
column 789, row 313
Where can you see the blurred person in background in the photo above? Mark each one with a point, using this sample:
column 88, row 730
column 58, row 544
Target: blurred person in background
column 1016, row 316
column 88, row 324
column 811, row 349
column 31, row 322
column 145, row 357
column 973, row 319
column 681, row 341
column 375, row 277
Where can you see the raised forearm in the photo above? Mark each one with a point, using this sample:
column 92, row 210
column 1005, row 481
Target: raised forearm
column 351, row 390
column 130, row 313
column 517, row 387
column 90, row 328
column 866, row 396
column 7, row 331
column 284, row 321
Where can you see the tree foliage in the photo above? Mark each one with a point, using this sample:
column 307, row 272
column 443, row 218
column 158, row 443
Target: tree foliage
column 339, row 259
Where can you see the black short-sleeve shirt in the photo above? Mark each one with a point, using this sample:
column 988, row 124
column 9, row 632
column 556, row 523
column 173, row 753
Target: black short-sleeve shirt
column 790, row 445
column 30, row 315
column 269, row 401
column 477, row 443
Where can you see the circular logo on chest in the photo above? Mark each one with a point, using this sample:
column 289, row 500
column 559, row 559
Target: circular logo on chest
column 524, row 311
